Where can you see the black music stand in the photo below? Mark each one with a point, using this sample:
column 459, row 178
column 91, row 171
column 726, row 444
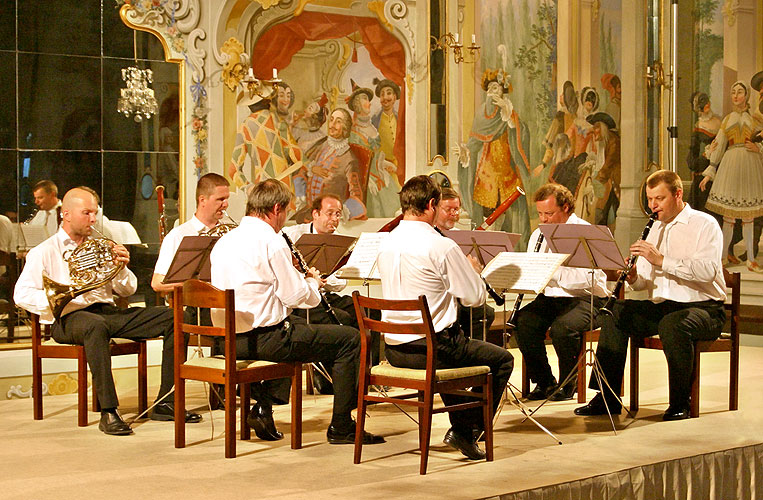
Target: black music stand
column 484, row 246
column 590, row 247
column 191, row 260
column 324, row 251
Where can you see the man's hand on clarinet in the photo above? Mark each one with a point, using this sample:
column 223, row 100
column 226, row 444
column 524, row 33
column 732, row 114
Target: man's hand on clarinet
column 648, row 251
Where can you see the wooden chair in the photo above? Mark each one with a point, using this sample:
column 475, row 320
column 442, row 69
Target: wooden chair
column 426, row 382
column 727, row 342
column 225, row 370
column 44, row 347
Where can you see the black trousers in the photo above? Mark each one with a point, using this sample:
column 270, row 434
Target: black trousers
column 295, row 340
column 455, row 350
column 95, row 326
column 678, row 324
column 565, row 318
column 473, row 319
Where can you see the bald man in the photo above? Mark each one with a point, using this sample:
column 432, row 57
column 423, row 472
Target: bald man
column 93, row 319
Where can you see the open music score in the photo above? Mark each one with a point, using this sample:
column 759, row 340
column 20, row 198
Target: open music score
column 522, row 272
column 122, row 232
column 29, row 236
column 362, row 262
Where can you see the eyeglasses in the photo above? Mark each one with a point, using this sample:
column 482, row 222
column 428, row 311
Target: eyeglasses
column 333, row 214
column 452, row 211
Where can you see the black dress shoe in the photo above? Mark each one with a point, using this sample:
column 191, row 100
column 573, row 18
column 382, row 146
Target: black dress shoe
column 565, row 393
column 261, row 420
column 347, row 436
column 466, row 445
column 597, row 407
column 165, row 412
column 112, row 424
column 542, row 391
column 676, row 413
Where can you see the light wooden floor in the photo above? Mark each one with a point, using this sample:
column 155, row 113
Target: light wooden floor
column 54, row 458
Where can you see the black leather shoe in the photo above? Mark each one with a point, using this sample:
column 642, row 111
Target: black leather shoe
column 165, row 412
column 112, row 424
column 337, row 436
column 261, row 420
column 676, row 413
column 542, row 391
column 597, row 407
column 565, row 393
column 466, row 445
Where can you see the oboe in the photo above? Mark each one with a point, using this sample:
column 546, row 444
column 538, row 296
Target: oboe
column 624, row 273
column 304, row 269
column 518, row 302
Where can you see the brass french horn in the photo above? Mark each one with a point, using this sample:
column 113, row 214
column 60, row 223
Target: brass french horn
column 221, row 227
column 91, row 265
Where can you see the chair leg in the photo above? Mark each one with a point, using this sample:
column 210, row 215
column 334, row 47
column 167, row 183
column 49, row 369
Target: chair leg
column 425, row 429
column 230, row 418
column 296, row 408
column 694, row 402
column 582, row 369
column 246, row 396
column 634, row 377
column 488, row 417
column 82, row 389
column 309, row 387
column 361, row 414
column 734, row 379
column 37, row 386
column 179, row 411
column 142, row 378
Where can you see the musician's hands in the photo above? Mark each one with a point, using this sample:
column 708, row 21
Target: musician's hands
column 123, row 255
column 475, row 263
column 648, row 251
column 316, row 275
column 632, row 275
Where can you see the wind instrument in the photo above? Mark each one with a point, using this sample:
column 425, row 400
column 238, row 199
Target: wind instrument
column 607, row 308
column 518, row 301
column 162, row 217
column 304, row 269
column 221, row 227
column 501, row 208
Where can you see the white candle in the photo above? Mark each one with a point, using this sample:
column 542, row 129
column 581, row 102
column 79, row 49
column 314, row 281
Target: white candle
column 275, row 74
column 456, row 38
column 474, row 39
column 250, row 74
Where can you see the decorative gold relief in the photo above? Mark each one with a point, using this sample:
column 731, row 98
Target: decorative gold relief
column 409, row 85
column 62, row 384
column 730, row 8
column 377, row 7
column 266, row 4
column 233, row 70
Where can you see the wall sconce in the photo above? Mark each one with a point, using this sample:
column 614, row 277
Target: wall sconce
column 452, row 41
column 235, row 76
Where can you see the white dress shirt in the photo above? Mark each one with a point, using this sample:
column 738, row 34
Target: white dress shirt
column 570, row 281
column 333, row 284
column 48, row 256
column 47, row 218
column 255, row 261
column 691, row 271
column 171, row 242
column 414, row 260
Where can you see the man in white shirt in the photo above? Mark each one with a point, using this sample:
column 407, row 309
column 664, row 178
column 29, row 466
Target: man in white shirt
column 680, row 266
column 326, row 213
column 564, row 307
column 414, row 260
column 254, row 260
column 212, row 193
column 473, row 320
column 48, row 213
column 92, row 319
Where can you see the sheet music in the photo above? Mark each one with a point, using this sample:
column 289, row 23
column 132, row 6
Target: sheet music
column 31, row 235
column 123, row 232
column 362, row 261
column 522, row 272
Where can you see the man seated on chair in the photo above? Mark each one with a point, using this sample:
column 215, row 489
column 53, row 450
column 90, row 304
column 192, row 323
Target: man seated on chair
column 414, row 260
column 563, row 308
column 679, row 264
column 473, row 320
column 212, row 193
column 92, row 319
column 254, row 261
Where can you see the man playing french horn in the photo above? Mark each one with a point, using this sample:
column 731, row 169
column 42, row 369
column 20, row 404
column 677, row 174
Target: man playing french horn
column 92, row 319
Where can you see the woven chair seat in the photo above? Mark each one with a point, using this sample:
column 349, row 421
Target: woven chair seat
column 440, row 375
column 218, row 363
column 115, row 340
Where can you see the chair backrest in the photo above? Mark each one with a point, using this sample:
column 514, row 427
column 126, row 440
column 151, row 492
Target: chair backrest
column 366, row 325
column 734, row 283
column 196, row 293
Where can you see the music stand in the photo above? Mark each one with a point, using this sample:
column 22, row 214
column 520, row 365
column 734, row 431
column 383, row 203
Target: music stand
column 324, row 251
column 591, row 247
column 484, row 246
column 191, row 260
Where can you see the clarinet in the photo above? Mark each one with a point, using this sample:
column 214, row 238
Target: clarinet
column 518, row 301
column 497, row 298
column 304, row 269
column 607, row 309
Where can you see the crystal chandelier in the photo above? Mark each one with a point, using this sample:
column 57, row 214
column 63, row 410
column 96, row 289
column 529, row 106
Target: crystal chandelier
column 137, row 99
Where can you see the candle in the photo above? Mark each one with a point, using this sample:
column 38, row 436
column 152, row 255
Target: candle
column 456, row 38
column 250, row 74
column 474, row 39
column 275, row 74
